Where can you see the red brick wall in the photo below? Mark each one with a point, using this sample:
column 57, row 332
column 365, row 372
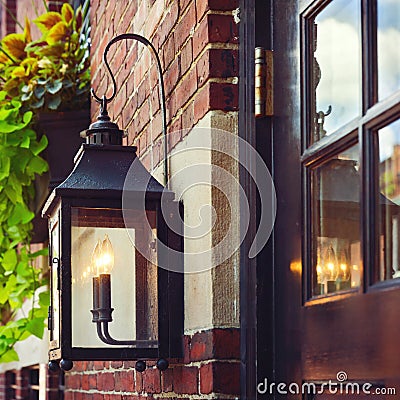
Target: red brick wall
column 210, row 367
column 197, row 41
column 7, row 24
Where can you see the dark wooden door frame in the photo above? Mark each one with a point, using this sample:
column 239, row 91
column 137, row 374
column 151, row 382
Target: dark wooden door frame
column 256, row 277
column 247, row 132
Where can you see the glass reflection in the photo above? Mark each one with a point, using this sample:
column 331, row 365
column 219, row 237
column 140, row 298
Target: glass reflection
column 388, row 47
column 336, row 74
column 336, row 224
column 109, row 273
column 389, row 201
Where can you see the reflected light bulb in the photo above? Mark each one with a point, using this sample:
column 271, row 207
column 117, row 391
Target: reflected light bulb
column 344, row 270
column 319, row 274
column 330, row 262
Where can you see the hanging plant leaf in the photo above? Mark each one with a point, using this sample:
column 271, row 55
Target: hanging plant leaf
column 14, row 44
column 67, row 84
column 54, row 87
column 46, row 21
column 42, row 81
column 57, row 33
column 36, row 327
column 38, row 104
column 9, row 261
column 26, row 96
column 67, row 13
column 38, row 147
column 54, row 102
column 39, row 91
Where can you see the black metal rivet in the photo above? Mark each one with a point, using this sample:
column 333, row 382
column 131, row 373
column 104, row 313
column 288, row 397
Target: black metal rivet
column 162, row 364
column 140, row 365
column 66, row 365
column 53, row 366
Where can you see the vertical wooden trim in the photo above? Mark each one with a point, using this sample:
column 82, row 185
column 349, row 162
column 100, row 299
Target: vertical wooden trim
column 248, row 278
column 369, row 54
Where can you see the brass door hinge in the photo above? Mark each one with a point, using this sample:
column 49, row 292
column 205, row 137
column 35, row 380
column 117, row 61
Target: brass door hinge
column 264, row 83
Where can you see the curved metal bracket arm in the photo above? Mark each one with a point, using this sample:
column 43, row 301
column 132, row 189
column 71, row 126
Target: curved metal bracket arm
column 104, row 100
column 104, row 335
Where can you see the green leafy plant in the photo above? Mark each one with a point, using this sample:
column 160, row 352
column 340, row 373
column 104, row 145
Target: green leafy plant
column 51, row 73
column 20, row 161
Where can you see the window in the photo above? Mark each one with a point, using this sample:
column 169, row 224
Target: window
column 351, row 145
column 34, row 383
column 11, row 385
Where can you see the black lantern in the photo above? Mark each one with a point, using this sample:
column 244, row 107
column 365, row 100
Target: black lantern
column 115, row 254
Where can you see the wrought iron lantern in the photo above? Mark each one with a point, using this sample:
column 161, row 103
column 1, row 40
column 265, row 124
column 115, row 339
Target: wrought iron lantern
column 115, row 253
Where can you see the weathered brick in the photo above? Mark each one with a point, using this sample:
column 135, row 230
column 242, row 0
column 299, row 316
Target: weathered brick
column 85, row 382
column 185, row 26
column 185, row 380
column 116, row 364
column 167, row 379
column 220, row 377
column 105, row 381
column 215, row 96
column 172, row 75
column 186, row 56
column 215, row 28
column 166, row 25
column 124, row 381
column 216, row 343
column 187, row 87
column 151, row 380
column 73, row 381
column 92, row 381
column 217, row 63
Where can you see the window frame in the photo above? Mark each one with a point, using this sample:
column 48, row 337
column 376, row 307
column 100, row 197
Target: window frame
column 374, row 115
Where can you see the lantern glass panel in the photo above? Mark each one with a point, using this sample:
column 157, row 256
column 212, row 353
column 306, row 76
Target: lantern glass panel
column 108, row 270
column 55, row 292
column 335, row 226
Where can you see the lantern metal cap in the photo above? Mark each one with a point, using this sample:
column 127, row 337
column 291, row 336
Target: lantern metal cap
column 103, row 131
column 101, row 172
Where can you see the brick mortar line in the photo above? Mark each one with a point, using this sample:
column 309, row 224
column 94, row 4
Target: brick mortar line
column 180, row 112
column 181, row 109
column 208, row 46
column 196, row 364
column 161, row 395
column 149, row 148
column 193, row 65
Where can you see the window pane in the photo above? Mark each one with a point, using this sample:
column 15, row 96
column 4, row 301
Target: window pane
column 389, row 200
column 336, row 77
column 388, row 47
column 336, row 224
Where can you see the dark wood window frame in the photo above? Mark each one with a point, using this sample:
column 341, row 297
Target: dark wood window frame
column 361, row 130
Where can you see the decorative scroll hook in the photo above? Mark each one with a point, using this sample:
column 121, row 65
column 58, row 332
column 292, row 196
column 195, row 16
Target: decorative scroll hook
column 104, row 100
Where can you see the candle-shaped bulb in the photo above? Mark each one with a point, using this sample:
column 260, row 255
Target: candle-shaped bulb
column 96, row 258
column 103, row 257
column 107, row 255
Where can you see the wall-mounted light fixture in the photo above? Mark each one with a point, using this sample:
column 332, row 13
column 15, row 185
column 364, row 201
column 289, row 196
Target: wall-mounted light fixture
column 115, row 252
